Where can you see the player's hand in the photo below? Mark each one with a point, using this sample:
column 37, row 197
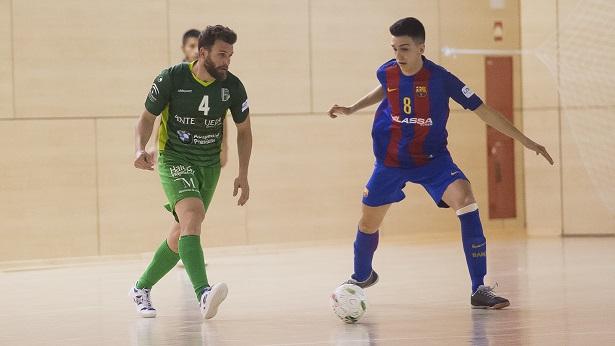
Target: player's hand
column 539, row 150
column 242, row 183
column 337, row 110
column 153, row 153
column 144, row 161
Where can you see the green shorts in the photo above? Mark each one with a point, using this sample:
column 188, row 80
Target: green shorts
column 180, row 179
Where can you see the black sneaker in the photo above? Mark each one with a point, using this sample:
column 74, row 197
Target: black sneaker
column 370, row 281
column 484, row 298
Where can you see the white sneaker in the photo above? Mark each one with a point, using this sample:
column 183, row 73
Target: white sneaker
column 143, row 301
column 212, row 298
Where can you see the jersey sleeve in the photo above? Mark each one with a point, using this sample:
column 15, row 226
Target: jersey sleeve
column 160, row 93
column 461, row 93
column 239, row 103
column 381, row 75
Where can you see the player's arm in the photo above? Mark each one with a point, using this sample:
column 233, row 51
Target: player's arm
column 157, row 99
column 143, row 132
column 224, row 149
column 244, row 150
column 499, row 122
column 464, row 96
column 372, row 98
column 240, row 110
column 152, row 148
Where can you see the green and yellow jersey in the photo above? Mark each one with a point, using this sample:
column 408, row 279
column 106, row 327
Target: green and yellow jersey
column 193, row 112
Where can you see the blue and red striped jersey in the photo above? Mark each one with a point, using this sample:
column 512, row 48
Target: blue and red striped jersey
column 410, row 123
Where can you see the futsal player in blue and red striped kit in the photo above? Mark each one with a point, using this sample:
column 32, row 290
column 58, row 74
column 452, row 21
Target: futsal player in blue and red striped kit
column 410, row 144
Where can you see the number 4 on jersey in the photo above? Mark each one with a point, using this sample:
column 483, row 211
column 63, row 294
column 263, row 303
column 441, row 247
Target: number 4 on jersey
column 204, row 106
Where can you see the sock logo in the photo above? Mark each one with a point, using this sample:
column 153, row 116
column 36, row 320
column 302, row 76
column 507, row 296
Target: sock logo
column 474, row 246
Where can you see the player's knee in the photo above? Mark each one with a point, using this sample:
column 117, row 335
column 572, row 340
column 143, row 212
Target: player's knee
column 190, row 220
column 468, row 200
column 464, row 202
column 173, row 240
column 194, row 215
column 174, row 234
column 368, row 226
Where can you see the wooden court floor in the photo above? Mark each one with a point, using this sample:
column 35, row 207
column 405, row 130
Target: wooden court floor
column 562, row 292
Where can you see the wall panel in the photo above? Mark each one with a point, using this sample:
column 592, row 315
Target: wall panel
column 94, row 60
column 6, row 60
column 48, row 189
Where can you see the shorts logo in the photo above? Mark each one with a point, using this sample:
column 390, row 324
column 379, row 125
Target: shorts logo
column 365, row 192
column 455, row 173
column 226, row 94
column 467, row 91
column 180, row 170
column 184, row 136
column 244, row 106
column 421, row 90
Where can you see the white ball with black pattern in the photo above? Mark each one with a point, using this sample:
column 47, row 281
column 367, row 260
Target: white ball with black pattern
column 349, row 302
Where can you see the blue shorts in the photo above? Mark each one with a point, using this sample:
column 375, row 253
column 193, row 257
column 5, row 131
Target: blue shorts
column 386, row 184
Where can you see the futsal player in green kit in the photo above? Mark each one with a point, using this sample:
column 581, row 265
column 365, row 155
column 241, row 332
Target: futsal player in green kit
column 190, row 49
column 192, row 99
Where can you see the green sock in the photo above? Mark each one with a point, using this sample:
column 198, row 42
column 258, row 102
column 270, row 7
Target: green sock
column 191, row 253
column 164, row 260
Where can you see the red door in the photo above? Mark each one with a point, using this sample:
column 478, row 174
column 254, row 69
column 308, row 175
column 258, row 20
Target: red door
column 500, row 148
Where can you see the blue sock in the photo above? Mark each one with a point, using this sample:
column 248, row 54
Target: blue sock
column 364, row 247
column 474, row 245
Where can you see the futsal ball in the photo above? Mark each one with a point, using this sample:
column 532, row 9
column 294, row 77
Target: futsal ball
column 349, row 302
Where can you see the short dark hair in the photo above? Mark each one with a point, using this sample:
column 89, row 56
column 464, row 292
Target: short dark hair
column 409, row 26
column 190, row 34
column 216, row 32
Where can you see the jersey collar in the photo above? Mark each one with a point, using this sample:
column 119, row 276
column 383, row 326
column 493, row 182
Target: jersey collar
column 200, row 81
